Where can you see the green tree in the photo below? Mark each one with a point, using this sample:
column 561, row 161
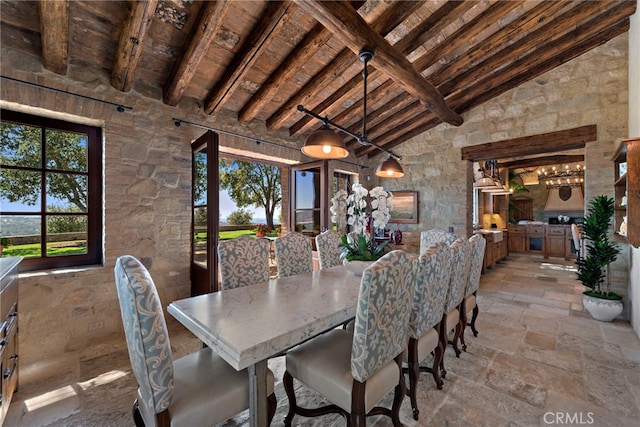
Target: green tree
column 66, row 154
column 252, row 184
column 66, row 223
column 240, row 217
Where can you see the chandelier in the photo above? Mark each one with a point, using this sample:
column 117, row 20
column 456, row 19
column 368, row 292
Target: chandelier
column 562, row 177
column 325, row 143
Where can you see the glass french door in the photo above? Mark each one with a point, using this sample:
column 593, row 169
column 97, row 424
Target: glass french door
column 309, row 184
column 205, row 214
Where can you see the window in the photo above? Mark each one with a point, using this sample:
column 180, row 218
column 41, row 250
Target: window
column 50, row 191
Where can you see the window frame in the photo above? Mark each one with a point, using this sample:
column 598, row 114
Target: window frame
column 94, row 214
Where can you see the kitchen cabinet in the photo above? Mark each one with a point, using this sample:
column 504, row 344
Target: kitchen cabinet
column 546, row 239
column 626, row 162
column 517, row 238
column 496, row 248
column 8, row 332
column 556, row 238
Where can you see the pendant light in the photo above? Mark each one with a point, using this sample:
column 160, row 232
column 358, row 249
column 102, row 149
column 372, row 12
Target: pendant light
column 324, row 143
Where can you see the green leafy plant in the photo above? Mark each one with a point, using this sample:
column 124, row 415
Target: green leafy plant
column 593, row 268
column 356, row 247
column 5, row 242
column 261, row 228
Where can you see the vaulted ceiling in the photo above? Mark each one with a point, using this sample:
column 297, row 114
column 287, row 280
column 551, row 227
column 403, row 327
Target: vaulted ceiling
column 258, row 60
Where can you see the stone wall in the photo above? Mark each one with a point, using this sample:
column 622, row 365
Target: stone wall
column 148, row 176
column 591, row 89
column 147, row 200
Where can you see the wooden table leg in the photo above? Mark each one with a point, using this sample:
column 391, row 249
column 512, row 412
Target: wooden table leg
column 258, row 394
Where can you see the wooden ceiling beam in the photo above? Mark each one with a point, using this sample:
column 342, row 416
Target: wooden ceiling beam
column 428, row 28
column 54, row 35
column 473, row 92
column 345, row 59
column 448, row 47
column 349, row 27
column 131, row 43
column 532, row 42
column 209, row 23
column 276, row 14
column 568, row 139
column 560, row 159
column 297, row 58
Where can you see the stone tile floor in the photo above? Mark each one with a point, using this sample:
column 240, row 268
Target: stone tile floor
column 538, row 360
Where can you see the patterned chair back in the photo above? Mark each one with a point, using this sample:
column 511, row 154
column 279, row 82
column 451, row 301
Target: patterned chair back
column 146, row 333
column 478, row 245
column 459, row 256
column 328, row 249
column 293, row 254
column 433, row 236
column 432, row 284
column 243, row 261
column 382, row 316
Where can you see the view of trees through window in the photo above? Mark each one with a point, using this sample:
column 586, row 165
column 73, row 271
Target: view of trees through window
column 44, row 189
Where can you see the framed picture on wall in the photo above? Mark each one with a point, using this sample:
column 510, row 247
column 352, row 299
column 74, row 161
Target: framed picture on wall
column 405, row 207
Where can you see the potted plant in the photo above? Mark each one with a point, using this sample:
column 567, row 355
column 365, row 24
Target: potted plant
column 593, row 268
column 359, row 248
column 261, row 230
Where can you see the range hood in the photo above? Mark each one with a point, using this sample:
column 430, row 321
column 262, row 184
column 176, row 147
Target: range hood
column 565, row 199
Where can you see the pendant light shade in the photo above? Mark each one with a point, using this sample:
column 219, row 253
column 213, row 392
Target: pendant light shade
column 485, row 182
column 325, row 144
column 390, row 168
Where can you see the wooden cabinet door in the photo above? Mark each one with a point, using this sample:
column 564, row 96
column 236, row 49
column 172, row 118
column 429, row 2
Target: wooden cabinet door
column 522, row 209
column 517, row 242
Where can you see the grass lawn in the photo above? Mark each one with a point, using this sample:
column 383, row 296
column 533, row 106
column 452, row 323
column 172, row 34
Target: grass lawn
column 34, row 249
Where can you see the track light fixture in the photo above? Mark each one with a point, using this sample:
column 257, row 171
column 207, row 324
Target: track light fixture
column 325, row 143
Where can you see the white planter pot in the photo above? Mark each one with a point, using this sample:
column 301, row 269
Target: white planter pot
column 357, row 267
column 602, row 309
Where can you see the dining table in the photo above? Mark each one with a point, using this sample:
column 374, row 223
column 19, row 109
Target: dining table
column 246, row 326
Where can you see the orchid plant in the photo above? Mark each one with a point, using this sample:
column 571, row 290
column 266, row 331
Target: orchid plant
column 351, row 209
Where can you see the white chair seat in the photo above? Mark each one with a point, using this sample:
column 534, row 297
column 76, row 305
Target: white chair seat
column 470, row 303
column 325, row 362
column 453, row 317
column 426, row 344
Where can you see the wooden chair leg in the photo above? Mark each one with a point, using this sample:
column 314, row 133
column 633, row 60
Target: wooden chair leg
column 456, row 337
column 473, row 320
column 272, row 404
column 137, row 416
column 437, row 356
column 287, row 382
column 463, row 324
column 414, row 375
column 443, row 343
column 399, row 393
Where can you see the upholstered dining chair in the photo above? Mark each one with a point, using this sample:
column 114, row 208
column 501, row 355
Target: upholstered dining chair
column 578, row 243
column 243, row 261
column 328, row 249
column 459, row 263
column 477, row 247
column 354, row 371
column 293, row 254
column 432, row 285
column 200, row 389
column 435, row 235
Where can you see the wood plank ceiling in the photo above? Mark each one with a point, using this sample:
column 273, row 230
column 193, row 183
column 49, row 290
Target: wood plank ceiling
column 257, row 60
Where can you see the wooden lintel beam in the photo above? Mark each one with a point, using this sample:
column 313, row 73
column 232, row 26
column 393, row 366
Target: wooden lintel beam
column 54, row 31
column 348, row 25
column 131, row 42
column 568, row 139
column 209, row 23
column 560, row 159
column 276, row 14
